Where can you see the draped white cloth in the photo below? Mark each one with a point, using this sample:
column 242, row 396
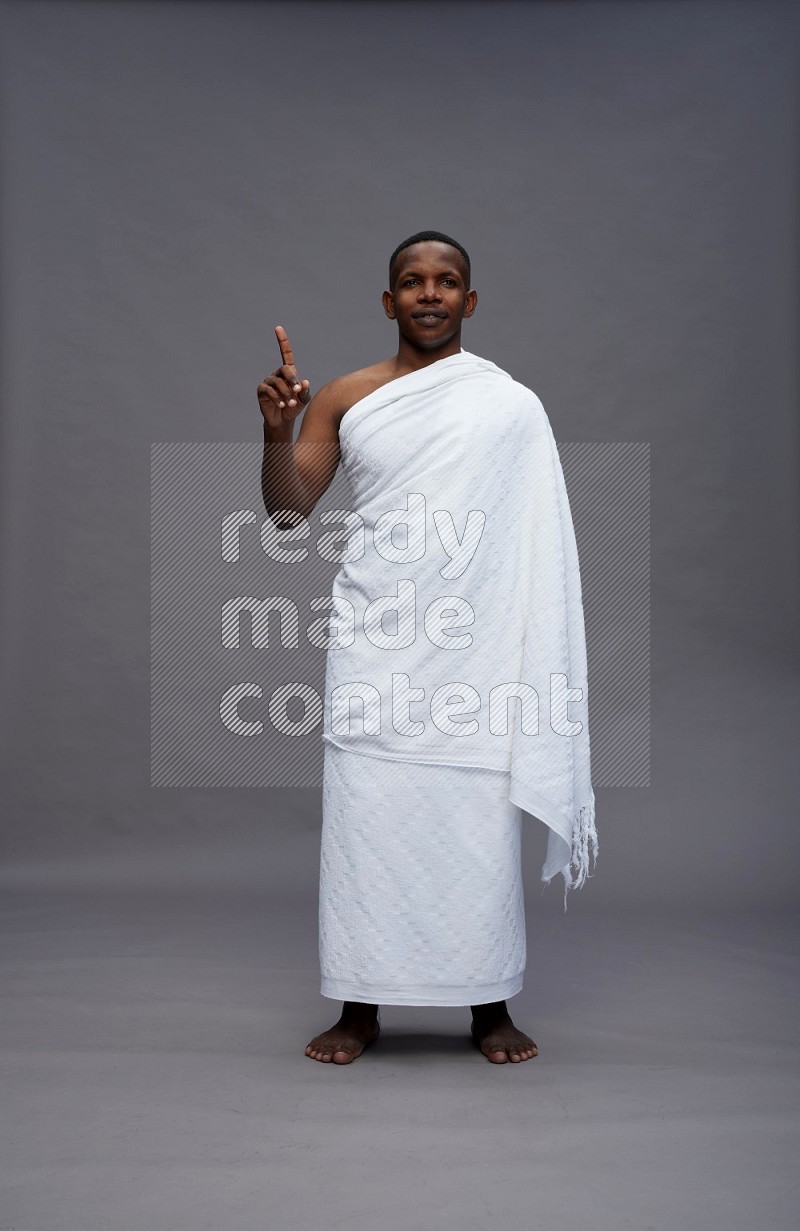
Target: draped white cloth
column 421, row 899
column 457, row 628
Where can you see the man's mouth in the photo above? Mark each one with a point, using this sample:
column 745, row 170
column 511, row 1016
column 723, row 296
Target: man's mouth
column 428, row 313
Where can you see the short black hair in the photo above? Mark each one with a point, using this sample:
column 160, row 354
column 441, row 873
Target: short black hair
column 422, row 237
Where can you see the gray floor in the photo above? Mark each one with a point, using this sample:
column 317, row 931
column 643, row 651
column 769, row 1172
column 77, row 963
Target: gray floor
column 154, row 1075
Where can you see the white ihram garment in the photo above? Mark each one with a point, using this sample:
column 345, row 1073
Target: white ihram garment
column 461, row 527
column 421, row 898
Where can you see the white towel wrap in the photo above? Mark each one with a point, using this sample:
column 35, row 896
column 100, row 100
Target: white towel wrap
column 460, row 524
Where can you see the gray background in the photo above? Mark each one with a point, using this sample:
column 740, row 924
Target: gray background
column 179, row 178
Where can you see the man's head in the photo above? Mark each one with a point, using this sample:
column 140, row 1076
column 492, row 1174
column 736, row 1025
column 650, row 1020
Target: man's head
column 429, row 295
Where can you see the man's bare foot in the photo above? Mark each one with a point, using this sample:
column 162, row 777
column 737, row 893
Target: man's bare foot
column 357, row 1027
column 497, row 1036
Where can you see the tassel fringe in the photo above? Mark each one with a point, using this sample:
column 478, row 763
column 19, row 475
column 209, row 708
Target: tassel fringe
column 584, row 841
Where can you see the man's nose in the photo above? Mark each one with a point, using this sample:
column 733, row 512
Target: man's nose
column 431, row 291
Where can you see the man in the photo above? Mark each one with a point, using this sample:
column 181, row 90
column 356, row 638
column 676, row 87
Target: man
column 421, row 896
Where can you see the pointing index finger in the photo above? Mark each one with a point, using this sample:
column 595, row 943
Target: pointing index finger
column 285, row 345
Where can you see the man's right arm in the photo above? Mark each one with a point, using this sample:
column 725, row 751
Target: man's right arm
column 294, row 475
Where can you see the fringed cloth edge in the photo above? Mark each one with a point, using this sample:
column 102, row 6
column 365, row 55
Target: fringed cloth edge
column 585, row 847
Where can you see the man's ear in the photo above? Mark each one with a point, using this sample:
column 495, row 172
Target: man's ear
column 388, row 304
column 471, row 303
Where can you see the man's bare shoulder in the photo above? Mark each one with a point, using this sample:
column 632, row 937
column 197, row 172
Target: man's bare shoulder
column 344, row 391
column 332, row 401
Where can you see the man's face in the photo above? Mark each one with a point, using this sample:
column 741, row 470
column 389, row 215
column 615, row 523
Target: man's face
column 430, row 297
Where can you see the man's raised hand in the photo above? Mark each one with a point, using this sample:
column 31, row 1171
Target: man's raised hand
column 282, row 395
